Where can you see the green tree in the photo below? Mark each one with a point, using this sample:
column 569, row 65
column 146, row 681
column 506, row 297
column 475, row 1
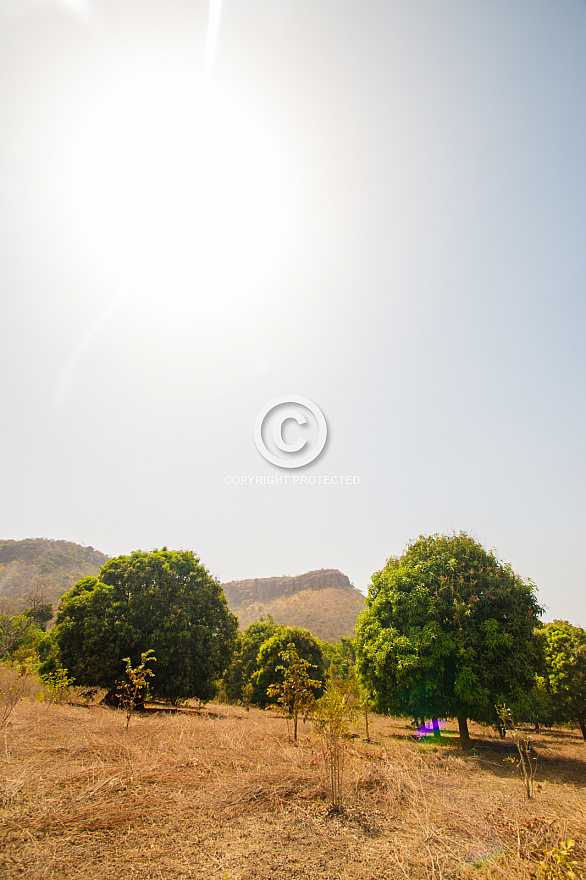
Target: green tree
column 296, row 692
column 448, row 631
column 270, row 671
column 340, row 657
column 244, row 662
column 535, row 705
column 564, row 655
column 163, row 599
column 133, row 692
column 14, row 630
column 331, row 718
column 24, row 630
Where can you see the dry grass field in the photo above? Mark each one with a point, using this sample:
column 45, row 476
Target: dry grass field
column 223, row 793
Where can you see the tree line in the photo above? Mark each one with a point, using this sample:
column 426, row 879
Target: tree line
column 448, row 631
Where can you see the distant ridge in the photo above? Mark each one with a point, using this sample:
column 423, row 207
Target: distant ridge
column 322, row 601
column 41, row 563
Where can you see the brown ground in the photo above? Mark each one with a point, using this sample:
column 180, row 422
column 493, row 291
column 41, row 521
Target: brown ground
column 224, row 794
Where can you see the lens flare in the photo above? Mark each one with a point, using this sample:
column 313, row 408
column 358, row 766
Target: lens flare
column 213, row 31
column 427, row 730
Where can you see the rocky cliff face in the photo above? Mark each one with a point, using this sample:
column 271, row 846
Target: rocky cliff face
column 323, row 601
column 263, row 589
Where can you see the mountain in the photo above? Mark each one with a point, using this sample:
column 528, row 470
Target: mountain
column 40, row 563
column 324, row 602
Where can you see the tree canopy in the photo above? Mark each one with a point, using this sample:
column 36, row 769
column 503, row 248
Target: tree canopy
column 22, row 633
column 448, row 631
column 270, row 664
column 244, row 662
column 163, row 601
column 564, row 668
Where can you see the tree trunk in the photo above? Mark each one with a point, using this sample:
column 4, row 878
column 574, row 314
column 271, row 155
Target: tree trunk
column 582, row 723
column 295, row 727
column 465, row 742
column 436, row 728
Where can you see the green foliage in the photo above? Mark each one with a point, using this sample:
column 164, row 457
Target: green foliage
column 364, row 704
column 20, row 637
column 296, row 692
column 23, row 631
column 340, row 656
column 269, row 667
column 536, row 705
column 564, row 659
column 247, row 692
column 165, row 599
column 134, row 691
column 55, row 685
column 558, row 864
column 40, row 614
column 244, row 662
column 331, row 716
column 448, row 631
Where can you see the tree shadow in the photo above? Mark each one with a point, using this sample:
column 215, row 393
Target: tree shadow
column 561, row 769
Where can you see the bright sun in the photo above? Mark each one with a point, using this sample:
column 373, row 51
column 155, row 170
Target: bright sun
column 180, row 196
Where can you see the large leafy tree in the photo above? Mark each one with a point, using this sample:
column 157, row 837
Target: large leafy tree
column 564, row 669
column 163, row 601
column 448, row 631
column 270, row 671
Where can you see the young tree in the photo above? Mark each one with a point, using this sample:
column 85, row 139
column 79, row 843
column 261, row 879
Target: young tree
column 164, row 599
column 132, row 692
column 296, row 692
column 564, row 655
column 527, row 755
column 269, row 662
column 448, row 631
column 332, row 714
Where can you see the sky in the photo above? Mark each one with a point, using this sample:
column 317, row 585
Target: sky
column 369, row 211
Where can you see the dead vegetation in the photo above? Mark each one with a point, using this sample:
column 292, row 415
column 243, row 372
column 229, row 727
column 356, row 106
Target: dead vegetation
column 224, row 794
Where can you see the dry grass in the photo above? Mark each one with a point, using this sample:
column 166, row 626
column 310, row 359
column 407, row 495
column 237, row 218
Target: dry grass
column 224, row 794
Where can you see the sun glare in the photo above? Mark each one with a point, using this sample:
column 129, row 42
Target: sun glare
column 179, row 194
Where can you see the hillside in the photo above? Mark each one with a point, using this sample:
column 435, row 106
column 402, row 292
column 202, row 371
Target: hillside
column 324, row 602
column 52, row 566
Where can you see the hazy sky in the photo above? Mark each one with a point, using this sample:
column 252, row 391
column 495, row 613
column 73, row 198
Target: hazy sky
column 375, row 205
